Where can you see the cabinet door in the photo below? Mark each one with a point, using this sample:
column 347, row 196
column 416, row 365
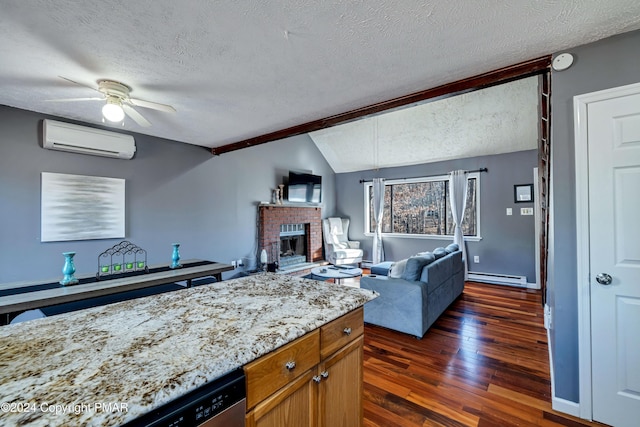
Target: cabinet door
column 340, row 394
column 294, row 405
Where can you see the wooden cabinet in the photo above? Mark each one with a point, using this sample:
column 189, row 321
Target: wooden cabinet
column 340, row 391
column 327, row 393
column 273, row 371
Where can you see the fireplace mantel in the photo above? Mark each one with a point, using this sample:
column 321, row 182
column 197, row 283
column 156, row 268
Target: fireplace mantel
column 291, row 205
column 271, row 217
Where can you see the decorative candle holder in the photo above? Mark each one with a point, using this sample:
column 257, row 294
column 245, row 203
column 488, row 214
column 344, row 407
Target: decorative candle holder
column 68, row 269
column 175, row 256
column 123, row 257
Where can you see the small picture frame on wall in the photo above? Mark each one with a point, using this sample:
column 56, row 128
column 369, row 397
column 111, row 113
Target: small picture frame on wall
column 523, row 193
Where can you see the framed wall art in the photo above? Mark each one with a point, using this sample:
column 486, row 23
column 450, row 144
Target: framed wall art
column 79, row 207
column 523, row 193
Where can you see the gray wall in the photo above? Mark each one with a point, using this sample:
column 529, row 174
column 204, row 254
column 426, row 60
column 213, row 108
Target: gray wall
column 174, row 193
column 508, row 242
column 605, row 64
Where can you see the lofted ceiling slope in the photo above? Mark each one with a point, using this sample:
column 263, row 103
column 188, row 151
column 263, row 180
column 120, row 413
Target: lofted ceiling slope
column 236, row 70
column 495, row 120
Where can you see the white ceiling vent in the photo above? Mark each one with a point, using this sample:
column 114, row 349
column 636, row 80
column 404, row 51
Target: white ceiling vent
column 85, row 140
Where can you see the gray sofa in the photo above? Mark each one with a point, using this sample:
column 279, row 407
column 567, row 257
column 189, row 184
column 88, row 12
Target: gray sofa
column 412, row 299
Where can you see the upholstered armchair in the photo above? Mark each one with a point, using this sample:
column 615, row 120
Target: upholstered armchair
column 338, row 248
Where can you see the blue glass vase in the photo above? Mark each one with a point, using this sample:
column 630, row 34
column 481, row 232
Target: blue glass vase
column 175, row 256
column 68, row 269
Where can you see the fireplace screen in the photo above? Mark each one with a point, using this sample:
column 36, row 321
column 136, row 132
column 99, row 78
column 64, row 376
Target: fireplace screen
column 293, row 244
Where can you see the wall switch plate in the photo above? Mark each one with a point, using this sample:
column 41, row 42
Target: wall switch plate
column 509, row 211
column 476, row 259
column 526, row 211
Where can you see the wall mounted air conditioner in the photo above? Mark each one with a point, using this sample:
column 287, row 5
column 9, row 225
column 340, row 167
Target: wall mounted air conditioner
column 85, row 140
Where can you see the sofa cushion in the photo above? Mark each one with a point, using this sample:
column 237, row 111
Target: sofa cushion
column 456, row 262
column 439, row 253
column 414, row 266
column 397, row 269
column 452, row 248
column 437, row 273
column 426, row 254
column 382, row 269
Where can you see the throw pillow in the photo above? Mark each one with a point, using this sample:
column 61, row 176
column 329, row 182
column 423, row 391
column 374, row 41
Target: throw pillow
column 414, row 266
column 439, row 253
column 397, row 269
column 452, row 248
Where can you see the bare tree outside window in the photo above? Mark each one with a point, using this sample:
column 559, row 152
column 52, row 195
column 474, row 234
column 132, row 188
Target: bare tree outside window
column 423, row 208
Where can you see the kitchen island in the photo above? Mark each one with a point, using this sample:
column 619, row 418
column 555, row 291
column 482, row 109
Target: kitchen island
column 146, row 352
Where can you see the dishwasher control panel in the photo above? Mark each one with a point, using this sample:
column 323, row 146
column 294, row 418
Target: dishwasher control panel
column 223, row 398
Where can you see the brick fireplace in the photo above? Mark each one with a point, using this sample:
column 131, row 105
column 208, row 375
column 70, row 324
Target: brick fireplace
column 272, row 217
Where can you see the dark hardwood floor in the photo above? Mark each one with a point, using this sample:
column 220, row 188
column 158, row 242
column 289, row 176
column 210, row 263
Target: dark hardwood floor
column 485, row 362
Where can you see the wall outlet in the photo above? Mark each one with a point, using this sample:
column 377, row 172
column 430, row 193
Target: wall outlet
column 509, row 211
column 233, row 263
column 526, row 211
column 239, row 263
column 476, row 259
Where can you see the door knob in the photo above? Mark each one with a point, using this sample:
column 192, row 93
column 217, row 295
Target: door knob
column 604, row 279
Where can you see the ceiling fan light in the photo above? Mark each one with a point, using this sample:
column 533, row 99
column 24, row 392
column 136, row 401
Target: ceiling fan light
column 113, row 111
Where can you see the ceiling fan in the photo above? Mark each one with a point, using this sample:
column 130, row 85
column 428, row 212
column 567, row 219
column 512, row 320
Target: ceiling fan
column 118, row 102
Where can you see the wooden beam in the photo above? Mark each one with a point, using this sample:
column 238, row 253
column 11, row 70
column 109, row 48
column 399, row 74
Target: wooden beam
column 492, row 78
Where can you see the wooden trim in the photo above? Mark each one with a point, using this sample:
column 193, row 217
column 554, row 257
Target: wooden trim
column 544, row 177
column 492, row 78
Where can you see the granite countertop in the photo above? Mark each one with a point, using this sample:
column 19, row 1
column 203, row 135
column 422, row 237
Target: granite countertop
column 146, row 352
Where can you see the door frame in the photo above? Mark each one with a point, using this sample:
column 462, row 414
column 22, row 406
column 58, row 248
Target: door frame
column 580, row 115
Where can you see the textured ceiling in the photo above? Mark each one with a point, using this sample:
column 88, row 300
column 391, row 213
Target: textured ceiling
column 235, row 70
column 499, row 119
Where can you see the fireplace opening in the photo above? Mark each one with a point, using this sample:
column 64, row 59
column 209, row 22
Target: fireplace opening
column 293, row 245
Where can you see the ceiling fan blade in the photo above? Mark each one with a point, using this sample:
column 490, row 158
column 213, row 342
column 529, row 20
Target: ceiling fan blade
column 79, row 84
column 137, row 117
column 74, row 99
column 152, row 105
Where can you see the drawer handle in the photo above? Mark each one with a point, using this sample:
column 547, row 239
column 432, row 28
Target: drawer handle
column 317, row 379
column 290, row 365
column 347, row 331
column 324, row 374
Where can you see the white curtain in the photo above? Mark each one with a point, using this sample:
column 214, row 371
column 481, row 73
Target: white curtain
column 458, row 190
column 378, row 210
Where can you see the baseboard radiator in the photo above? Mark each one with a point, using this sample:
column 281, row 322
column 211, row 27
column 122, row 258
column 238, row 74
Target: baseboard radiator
column 498, row 279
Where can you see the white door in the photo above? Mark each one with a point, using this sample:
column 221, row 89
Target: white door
column 613, row 131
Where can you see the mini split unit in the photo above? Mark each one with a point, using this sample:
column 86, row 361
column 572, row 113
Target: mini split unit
column 85, row 140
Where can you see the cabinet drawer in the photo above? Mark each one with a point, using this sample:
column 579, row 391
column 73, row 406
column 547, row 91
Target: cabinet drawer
column 270, row 372
column 340, row 332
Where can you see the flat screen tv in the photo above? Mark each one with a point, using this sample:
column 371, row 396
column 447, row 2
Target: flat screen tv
column 304, row 188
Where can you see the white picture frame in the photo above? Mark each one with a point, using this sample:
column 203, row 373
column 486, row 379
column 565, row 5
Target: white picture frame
column 80, row 207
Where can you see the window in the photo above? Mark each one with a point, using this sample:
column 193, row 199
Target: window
column 421, row 207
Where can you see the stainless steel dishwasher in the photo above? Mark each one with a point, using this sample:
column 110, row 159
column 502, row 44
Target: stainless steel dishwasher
column 219, row 403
